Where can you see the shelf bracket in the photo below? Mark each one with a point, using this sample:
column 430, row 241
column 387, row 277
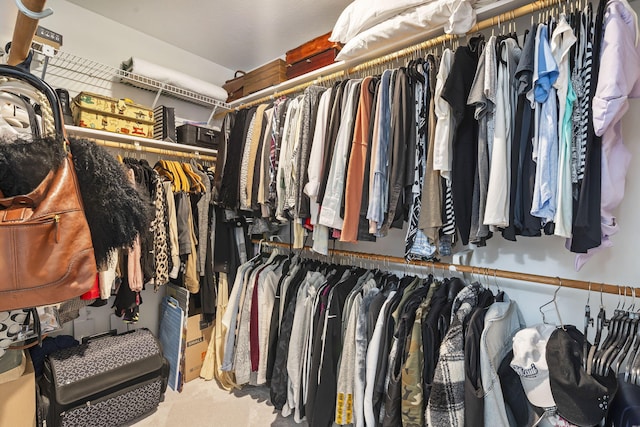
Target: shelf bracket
column 155, row 101
column 213, row 112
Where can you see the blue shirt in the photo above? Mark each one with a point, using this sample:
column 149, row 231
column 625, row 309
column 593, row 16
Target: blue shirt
column 546, row 180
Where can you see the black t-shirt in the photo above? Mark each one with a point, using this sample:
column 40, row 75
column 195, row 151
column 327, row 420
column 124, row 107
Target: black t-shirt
column 465, row 140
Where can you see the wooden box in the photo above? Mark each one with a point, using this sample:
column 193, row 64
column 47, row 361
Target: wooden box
column 314, row 54
column 314, row 62
column 235, row 86
column 263, row 77
column 312, row 48
column 113, row 115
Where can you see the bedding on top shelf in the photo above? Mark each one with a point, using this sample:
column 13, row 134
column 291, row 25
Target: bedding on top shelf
column 175, row 78
column 371, row 25
column 364, row 14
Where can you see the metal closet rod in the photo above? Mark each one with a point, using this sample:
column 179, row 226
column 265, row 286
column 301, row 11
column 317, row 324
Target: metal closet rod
column 502, row 18
column 161, row 151
column 489, row 272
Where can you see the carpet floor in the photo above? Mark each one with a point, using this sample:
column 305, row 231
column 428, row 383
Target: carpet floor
column 203, row 404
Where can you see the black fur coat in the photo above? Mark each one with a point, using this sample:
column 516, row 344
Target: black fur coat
column 116, row 212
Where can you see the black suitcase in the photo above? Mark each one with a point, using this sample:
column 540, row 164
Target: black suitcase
column 106, row 381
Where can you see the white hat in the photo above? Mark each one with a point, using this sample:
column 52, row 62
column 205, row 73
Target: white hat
column 530, row 363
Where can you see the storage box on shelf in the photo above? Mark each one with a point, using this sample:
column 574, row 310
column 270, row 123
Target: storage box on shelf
column 165, row 126
column 235, row 86
column 113, row 115
column 196, row 135
column 263, row 77
column 314, row 54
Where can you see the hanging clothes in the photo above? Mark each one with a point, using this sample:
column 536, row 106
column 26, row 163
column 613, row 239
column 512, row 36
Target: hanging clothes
column 525, row 223
column 465, row 146
column 562, row 42
column 613, row 87
column 355, row 171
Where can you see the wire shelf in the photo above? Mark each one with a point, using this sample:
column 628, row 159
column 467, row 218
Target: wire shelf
column 64, row 63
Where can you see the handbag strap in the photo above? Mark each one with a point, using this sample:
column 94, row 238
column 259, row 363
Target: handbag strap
column 30, row 200
column 37, row 329
column 14, row 79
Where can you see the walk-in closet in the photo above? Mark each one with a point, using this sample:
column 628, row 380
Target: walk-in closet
column 337, row 213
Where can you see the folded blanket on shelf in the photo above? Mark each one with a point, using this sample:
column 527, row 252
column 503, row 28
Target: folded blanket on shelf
column 175, row 78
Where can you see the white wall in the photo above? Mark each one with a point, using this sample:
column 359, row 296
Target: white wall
column 108, row 42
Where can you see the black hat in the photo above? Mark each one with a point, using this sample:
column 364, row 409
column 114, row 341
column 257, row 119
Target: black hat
column 581, row 399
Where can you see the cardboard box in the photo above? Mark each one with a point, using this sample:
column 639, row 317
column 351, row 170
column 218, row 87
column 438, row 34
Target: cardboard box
column 198, row 337
column 18, row 398
column 113, row 115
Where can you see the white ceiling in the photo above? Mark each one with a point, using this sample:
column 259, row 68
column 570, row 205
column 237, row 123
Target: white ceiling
column 237, row 34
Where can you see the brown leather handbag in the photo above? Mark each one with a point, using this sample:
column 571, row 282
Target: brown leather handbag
column 46, row 253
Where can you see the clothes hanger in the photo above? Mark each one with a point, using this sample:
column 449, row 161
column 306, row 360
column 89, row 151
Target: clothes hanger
column 184, row 179
column 633, row 351
column 555, row 304
column 624, row 353
column 615, row 325
column 417, row 66
column 500, row 294
column 629, row 372
column 548, row 412
column 514, row 33
column 588, row 321
column 162, row 170
column 175, row 177
column 618, row 342
column 627, row 334
column 196, row 184
column 259, row 251
column 600, row 325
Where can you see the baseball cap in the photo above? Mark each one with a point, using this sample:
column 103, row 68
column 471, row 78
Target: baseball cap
column 581, row 399
column 530, row 363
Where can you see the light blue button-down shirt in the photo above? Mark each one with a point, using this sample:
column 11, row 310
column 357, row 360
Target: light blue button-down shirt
column 546, row 180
